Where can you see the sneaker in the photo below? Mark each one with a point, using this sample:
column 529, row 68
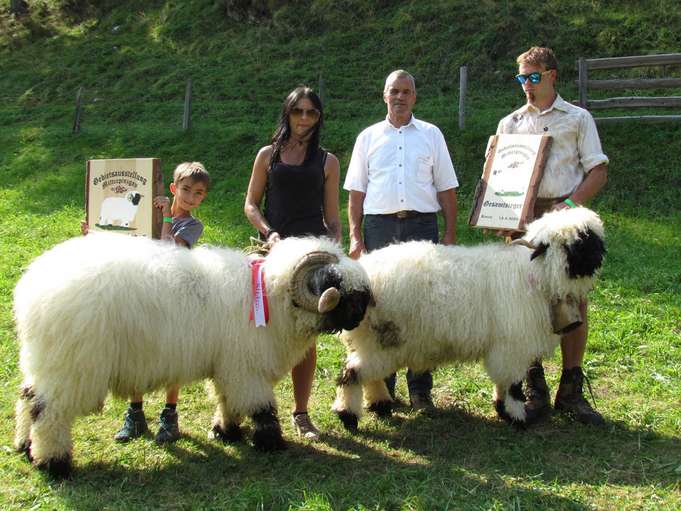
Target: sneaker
column 303, row 425
column 421, row 401
column 135, row 425
column 168, row 430
column 571, row 401
column 537, row 394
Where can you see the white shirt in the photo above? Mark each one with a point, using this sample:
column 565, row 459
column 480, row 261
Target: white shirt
column 400, row 168
column 575, row 149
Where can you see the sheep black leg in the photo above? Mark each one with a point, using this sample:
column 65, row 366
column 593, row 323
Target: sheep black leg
column 50, row 439
column 383, row 409
column 231, row 434
column 58, row 468
column 348, row 392
column 510, row 405
column 377, row 395
column 267, row 436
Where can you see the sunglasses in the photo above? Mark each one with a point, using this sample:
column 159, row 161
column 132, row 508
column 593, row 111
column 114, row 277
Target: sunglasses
column 312, row 113
column 532, row 77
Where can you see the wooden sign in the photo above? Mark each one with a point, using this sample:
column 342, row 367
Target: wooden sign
column 119, row 196
column 504, row 198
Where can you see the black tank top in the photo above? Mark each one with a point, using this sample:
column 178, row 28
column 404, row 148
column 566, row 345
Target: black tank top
column 294, row 197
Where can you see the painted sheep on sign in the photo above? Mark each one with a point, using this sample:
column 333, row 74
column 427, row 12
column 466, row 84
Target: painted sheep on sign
column 500, row 303
column 126, row 315
column 119, row 209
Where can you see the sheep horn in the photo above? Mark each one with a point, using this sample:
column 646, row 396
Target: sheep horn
column 329, row 300
column 301, row 294
column 524, row 243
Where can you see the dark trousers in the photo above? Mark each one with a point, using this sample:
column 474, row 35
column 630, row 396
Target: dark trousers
column 383, row 230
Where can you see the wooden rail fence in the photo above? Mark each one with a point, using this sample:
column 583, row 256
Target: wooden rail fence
column 584, row 83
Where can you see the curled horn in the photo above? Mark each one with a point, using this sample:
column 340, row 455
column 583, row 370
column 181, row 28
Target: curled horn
column 524, row 243
column 301, row 294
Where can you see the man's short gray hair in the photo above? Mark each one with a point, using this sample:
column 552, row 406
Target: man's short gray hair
column 400, row 73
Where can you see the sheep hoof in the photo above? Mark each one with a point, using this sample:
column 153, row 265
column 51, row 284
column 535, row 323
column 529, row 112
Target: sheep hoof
column 268, row 441
column 231, row 435
column 500, row 407
column 382, row 409
column 58, row 468
column 349, row 420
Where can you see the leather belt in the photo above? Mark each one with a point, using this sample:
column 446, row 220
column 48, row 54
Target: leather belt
column 407, row 213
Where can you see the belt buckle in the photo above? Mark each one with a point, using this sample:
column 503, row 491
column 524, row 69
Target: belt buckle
column 402, row 214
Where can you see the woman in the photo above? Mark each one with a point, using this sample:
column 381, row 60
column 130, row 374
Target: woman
column 300, row 182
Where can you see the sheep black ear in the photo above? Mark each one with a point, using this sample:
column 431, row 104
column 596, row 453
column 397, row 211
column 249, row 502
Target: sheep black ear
column 540, row 250
column 585, row 255
column 136, row 197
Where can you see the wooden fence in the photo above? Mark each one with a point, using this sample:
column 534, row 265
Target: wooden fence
column 584, row 83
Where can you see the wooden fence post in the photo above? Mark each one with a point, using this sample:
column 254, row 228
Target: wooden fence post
column 79, row 108
column 463, row 80
column 320, row 89
column 583, row 78
column 187, row 116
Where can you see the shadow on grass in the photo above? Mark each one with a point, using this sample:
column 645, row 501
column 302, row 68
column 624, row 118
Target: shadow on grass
column 449, row 457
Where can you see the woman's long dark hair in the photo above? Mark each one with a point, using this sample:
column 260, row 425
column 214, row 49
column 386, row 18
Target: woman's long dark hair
column 283, row 131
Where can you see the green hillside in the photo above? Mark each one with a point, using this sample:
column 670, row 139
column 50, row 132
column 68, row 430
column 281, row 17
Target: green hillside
column 133, row 60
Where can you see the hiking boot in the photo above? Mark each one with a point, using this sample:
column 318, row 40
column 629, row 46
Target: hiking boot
column 303, row 425
column 135, row 425
column 571, row 401
column 537, row 395
column 421, row 401
column 168, row 430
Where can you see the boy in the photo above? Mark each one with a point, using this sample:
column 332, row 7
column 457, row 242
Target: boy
column 189, row 187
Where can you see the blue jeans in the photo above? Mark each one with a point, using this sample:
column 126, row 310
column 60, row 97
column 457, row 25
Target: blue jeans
column 383, row 230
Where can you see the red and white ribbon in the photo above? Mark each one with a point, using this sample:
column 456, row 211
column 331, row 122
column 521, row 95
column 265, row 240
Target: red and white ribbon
column 259, row 311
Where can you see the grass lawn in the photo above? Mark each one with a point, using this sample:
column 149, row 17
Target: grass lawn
column 461, row 457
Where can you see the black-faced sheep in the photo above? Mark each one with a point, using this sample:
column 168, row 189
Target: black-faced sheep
column 112, row 313
column 121, row 210
column 504, row 304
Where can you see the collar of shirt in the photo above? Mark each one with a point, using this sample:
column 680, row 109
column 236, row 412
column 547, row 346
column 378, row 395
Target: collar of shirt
column 413, row 123
column 558, row 104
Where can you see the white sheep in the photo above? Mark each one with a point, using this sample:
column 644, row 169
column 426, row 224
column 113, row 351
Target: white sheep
column 437, row 304
column 121, row 210
column 111, row 313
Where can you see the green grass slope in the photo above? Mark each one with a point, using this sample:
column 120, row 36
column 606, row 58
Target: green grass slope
column 133, row 60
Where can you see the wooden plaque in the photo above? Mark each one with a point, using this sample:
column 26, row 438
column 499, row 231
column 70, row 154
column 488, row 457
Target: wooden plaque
column 514, row 166
column 119, row 196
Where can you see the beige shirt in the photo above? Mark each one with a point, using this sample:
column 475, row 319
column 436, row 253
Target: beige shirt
column 575, row 149
column 400, row 168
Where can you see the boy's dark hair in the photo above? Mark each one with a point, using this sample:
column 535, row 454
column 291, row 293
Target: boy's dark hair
column 193, row 170
column 539, row 56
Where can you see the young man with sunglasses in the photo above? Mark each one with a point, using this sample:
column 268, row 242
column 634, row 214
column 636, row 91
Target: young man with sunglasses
column 400, row 176
column 576, row 170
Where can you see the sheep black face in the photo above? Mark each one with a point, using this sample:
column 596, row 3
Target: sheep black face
column 317, row 285
column 351, row 306
column 135, row 198
column 584, row 256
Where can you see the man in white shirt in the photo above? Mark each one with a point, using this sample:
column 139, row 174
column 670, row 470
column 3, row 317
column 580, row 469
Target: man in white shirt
column 400, row 176
column 576, row 170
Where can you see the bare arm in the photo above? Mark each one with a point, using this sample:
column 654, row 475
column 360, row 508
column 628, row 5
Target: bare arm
column 331, row 201
column 593, row 183
column 447, row 200
column 355, row 215
column 163, row 203
column 256, row 190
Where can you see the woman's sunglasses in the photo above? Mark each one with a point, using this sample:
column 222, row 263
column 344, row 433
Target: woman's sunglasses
column 312, row 113
column 532, row 77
